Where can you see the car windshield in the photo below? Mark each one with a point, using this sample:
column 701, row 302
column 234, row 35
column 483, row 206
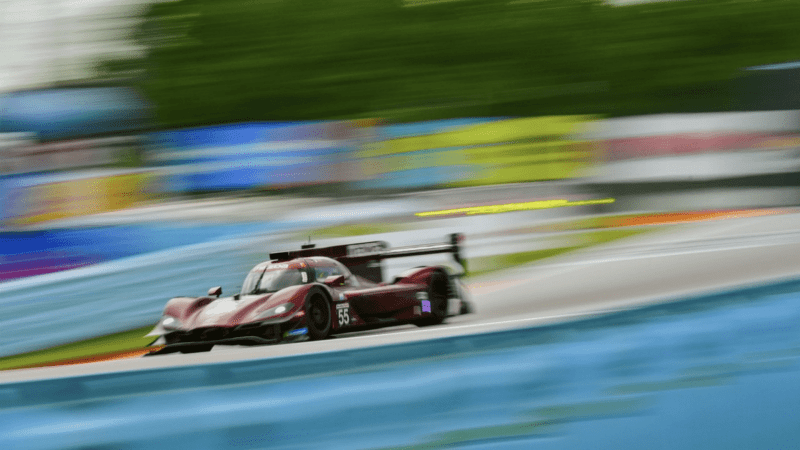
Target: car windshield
column 266, row 281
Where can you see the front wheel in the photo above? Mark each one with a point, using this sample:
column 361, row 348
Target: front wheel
column 318, row 316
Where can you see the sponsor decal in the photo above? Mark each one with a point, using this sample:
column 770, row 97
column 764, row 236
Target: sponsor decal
column 422, row 296
column 297, row 332
column 343, row 314
column 341, row 296
column 426, row 306
column 304, row 276
column 417, row 311
column 278, row 266
column 366, row 249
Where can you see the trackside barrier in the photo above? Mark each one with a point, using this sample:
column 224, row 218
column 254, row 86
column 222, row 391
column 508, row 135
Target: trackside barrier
column 714, row 372
column 36, row 252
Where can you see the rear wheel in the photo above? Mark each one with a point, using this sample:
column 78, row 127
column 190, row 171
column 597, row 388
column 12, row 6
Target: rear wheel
column 318, row 316
column 438, row 293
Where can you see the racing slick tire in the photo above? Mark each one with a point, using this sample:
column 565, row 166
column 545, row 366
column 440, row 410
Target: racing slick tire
column 438, row 293
column 318, row 314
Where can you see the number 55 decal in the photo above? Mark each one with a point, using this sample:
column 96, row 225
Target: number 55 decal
column 343, row 311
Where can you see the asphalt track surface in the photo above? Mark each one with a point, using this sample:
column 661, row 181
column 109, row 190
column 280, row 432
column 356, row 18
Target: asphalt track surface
column 656, row 267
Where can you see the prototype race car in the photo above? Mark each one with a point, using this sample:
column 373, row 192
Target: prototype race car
column 312, row 293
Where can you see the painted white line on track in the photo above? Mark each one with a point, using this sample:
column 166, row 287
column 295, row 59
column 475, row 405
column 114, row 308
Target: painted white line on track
column 617, row 254
column 662, row 254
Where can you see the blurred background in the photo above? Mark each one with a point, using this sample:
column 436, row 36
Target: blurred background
column 156, row 148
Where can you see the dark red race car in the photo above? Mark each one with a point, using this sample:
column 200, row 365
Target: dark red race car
column 313, row 293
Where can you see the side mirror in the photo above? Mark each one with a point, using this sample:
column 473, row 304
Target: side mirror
column 215, row 291
column 334, row 280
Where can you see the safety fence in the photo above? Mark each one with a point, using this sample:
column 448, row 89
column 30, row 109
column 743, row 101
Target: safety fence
column 715, row 372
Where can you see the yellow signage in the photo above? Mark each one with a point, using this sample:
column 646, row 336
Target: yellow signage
column 509, row 207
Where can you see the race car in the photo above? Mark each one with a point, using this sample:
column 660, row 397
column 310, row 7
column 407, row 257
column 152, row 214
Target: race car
column 313, row 293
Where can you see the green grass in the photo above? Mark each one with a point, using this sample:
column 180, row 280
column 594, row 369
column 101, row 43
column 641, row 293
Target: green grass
column 112, row 343
column 604, row 236
column 488, row 264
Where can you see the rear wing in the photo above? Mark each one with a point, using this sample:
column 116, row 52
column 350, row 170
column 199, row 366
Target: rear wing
column 364, row 259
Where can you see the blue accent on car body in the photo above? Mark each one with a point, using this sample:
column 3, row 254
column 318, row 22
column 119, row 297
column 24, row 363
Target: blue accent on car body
column 297, row 332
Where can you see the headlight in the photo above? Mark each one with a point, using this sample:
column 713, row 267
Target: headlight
column 170, row 323
column 276, row 311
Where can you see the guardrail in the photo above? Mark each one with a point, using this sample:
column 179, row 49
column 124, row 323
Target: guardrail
column 714, row 372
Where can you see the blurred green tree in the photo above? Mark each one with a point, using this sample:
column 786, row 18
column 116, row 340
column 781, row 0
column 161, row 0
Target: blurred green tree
column 241, row 60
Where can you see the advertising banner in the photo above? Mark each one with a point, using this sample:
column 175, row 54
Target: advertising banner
column 37, row 199
column 258, row 155
column 473, row 152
